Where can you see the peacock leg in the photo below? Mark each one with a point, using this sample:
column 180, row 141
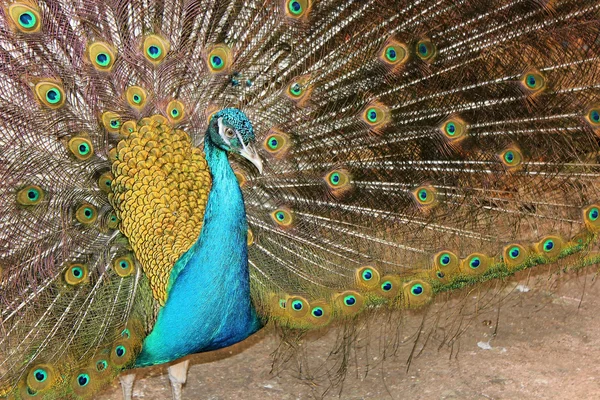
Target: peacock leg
column 127, row 385
column 178, row 375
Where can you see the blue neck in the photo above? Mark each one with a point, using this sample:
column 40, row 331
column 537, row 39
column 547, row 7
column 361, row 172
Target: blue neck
column 208, row 305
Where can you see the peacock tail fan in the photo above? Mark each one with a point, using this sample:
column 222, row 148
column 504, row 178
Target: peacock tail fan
column 411, row 150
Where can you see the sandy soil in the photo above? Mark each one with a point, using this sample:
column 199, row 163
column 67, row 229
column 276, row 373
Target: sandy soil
column 546, row 346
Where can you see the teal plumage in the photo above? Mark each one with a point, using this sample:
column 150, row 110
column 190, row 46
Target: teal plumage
column 177, row 174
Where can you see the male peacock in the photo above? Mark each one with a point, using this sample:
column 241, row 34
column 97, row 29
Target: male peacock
column 403, row 149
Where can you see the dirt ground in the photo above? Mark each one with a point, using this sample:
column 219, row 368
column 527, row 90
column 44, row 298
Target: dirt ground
column 547, row 346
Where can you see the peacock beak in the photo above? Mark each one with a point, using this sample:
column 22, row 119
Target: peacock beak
column 251, row 155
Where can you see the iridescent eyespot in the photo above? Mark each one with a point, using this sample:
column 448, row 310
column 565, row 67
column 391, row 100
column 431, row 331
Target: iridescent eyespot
column 81, row 148
column 155, row 48
column 277, row 143
column 417, row 293
column 83, row 380
column 101, row 55
column 282, row 217
column 297, row 8
column 297, row 307
column 40, row 377
column 511, row 157
column 376, row 115
column 387, row 286
column 76, row 274
column 454, row 128
column 550, row 246
column 101, row 365
column 175, row 110
column 533, row 81
column 86, row 214
column 136, row 97
column 338, row 181
column 350, row 300
column 425, row 195
column 515, row 255
column 30, row 195
column 296, row 89
column 367, row 277
column 446, row 261
column 593, row 117
column 111, row 121
column 219, row 58
column 105, row 182
column 124, row 266
column 50, row 94
column 590, row 217
column 394, row 53
column 416, row 290
column 440, row 274
column 317, row 312
column 475, row 264
column 426, row 50
column 120, row 351
column 26, row 18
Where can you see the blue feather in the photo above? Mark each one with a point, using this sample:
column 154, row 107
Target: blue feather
column 209, row 303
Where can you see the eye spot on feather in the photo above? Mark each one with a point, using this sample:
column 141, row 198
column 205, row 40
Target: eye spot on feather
column 86, row 214
column 101, row 365
column 550, row 246
column 175, row 111
column 376, row 116
column 593, row 117
column 299, row 90
column 426, row 50
column 591, row 216
column 105, row 182
column 454, row 129
column 417, row 293
column 296, row 307
column 136, row 97
column 81, row 148
column 533, row 81
column 317, row 312
column 124, row 266
column 338, row 182
column 25, row 17
column 41, row 377
column 425, row 196
column 83, row 380
column 50, row 94
column 367, row 277
column 394, row 53
column 297, row 8
column 219, row 58
column 30, row 195
column 515, row 255
column 511, row 158
column 282, row 217
column 101, row 55
column 76, row 274
column 111, row 121
column 446, row 262
column 155, row 48
column 349, row 302
column 277, row 143
column 475, row 264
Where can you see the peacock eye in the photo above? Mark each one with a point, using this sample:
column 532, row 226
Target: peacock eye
column 229, row 133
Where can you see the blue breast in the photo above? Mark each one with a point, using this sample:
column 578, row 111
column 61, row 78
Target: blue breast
column 208, row 305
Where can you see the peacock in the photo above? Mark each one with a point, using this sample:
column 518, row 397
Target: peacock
column 177, row 175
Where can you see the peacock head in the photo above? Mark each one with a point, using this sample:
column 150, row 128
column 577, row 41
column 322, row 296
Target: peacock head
column 231, row 131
